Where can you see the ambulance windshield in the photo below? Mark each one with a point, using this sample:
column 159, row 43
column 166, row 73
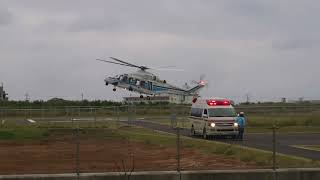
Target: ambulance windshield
column 222, row 112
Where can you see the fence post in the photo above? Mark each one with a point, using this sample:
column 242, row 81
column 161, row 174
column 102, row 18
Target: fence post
column 274, row 153
column 128, row 111
column 72, row 118
column 131, row 113
column 1, row 117
column 95, row 117
column 66, row 112
column 42, row 116
column 118, row 118
column 178, row 150
column 77, row 152
column 173, row 117
column 134, row 112
column 25, row 114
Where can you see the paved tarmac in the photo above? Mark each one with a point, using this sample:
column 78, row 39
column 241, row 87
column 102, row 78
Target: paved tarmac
column 285, row 141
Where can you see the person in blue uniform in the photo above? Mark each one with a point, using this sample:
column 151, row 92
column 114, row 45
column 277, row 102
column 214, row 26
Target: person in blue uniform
column 241, row 124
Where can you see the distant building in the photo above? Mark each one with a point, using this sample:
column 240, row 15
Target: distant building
column 168, row 98
column 301, row 99
column 3, row 94
column 315, row 101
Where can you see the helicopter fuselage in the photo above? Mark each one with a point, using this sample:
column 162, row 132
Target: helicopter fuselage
column 145, row 83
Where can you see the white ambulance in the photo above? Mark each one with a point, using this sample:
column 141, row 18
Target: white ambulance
column 213, row 117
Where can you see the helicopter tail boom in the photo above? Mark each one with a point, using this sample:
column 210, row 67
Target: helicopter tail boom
column 196, row 88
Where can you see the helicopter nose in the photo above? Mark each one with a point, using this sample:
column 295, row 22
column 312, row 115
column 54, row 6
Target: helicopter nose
column 111, row 81
column 106, row 82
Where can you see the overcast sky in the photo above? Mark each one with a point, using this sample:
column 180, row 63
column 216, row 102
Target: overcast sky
column 268, row 49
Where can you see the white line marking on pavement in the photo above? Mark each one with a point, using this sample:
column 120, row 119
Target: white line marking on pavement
column 31, row 121
column 82, row 119
column 60, row 121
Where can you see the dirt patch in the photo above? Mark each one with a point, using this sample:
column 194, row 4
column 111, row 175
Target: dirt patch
column 58, row 155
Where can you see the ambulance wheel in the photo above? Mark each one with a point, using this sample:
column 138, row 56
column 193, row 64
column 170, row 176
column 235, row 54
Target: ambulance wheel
column 114, row 89
column 192, row 132
column 204, row 134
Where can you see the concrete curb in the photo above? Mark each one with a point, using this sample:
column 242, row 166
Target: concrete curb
column 252, row 174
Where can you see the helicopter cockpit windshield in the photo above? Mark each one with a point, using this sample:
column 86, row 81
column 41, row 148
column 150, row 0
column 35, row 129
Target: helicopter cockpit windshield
column 122, row 78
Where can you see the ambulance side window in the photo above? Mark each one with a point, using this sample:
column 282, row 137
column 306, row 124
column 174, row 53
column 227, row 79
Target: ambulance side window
column 197, row 112
column 205, row 113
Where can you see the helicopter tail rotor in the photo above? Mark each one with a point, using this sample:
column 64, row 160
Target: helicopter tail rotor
column 201, row 81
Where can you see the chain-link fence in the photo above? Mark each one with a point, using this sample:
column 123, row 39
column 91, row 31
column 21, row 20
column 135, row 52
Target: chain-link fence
column 132, row 138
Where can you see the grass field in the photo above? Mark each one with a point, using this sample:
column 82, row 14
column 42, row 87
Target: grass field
column 255, row 123
column 257, row 117
column 102, row 128
column 115, row 130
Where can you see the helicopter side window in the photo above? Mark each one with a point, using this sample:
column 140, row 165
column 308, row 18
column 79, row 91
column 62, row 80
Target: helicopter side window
column 133, row 81
column 125, row 78
column 120, row 78
column 138, row 82
column 142, row 84
column 150, row 85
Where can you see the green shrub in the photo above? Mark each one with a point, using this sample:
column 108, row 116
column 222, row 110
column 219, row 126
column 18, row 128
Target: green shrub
column 247, row 157
column 5, row 135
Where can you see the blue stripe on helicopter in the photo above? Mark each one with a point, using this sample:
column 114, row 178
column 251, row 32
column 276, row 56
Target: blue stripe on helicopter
column 161, row 88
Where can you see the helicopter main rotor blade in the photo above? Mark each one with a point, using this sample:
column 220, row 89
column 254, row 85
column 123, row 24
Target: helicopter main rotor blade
column 128, row 63
column 167, row 69
column 114, row 62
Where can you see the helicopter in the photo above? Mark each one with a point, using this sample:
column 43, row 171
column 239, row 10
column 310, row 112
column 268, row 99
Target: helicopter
column 146, row 83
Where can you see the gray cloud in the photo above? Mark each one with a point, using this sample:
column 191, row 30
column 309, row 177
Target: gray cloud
column 5, row 16
column 296, row 44
column 266, row 48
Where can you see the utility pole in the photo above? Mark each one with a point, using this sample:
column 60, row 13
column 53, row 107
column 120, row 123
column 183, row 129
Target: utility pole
column 248, row 98
column 82, row 96
column 27, row 96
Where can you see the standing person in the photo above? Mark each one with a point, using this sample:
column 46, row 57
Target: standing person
column 241, row 124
